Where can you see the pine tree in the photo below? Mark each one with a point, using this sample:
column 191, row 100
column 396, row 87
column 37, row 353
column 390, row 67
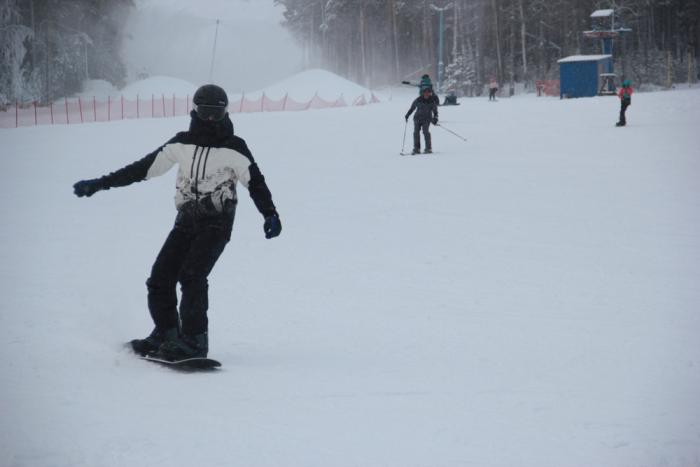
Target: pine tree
column 460, row 76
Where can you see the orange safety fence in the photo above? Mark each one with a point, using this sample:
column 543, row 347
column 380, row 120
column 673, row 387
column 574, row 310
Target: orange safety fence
column 547, row 87
column 81, row 110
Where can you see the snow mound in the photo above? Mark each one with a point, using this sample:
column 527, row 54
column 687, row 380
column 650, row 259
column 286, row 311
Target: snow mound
column 304, row 85
column 97, row 88
column 157, row 86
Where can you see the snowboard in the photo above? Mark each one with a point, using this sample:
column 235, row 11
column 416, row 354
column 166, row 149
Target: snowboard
column 188, row 364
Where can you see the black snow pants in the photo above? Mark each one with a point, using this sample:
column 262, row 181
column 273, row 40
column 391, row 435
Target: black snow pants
column 187, row 256
column 419, row 125
column 624, row 103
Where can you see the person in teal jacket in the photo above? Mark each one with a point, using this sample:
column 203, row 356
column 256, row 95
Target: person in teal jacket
column 625, row 95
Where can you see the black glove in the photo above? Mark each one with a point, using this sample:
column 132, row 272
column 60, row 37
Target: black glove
column 272, row 226
column 88, row 187
column 435, row 120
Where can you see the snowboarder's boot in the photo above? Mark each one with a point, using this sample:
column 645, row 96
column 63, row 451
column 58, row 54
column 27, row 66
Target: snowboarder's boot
column 151, row 343
column 184, row 347
column 415, row 151
column 428, row 151
column 620, row 124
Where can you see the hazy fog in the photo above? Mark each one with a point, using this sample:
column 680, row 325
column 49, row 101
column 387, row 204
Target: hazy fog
column 176, row 37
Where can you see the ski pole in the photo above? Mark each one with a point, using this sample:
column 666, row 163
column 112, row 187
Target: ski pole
column 403, row 144
column 447, row 129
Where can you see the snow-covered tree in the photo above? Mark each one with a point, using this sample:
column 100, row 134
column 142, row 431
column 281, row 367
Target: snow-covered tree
column 460, row 76
column 13, row 37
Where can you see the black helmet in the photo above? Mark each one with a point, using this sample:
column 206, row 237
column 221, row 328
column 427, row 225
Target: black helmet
column 210, row 102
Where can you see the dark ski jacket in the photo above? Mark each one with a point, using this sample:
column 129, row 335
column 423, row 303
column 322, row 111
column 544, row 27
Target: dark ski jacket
column 211, row 160
column 426, row 109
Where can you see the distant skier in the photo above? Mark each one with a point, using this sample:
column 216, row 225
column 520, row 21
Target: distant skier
column 426, row 112
column 425, row 83
column 493, row 89
column 211, row 160
column 625, row 95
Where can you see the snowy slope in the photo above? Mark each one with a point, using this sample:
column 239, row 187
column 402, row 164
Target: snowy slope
column 528, row 298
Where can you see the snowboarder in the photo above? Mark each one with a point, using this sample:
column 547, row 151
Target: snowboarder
column 493, row 89
column 426, row 112
column 425, row 83
column 211, row 160
column 625, row 95
column 451, row 99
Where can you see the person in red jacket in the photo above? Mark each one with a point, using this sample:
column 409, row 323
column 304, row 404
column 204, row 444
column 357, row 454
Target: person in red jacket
column 625, row 95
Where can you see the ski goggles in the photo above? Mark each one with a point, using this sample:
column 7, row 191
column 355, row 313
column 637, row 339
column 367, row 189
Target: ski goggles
column 212, row 113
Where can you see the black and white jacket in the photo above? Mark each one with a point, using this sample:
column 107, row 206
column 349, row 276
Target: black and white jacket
column 210, row 160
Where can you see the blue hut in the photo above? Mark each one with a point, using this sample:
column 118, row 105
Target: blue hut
column 580, row 75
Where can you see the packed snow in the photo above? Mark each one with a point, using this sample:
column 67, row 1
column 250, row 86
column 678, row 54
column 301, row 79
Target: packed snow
column 527, row 298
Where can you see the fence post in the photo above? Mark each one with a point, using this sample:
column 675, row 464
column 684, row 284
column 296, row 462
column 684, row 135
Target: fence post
column 67, row 117
column 16, row 113
column 308, row 106
column 187, row 103
column 51, row 110
column 122, row 106
column 163, row 97
column 138, row 113
column 242, row 97
column 35, row 116
column 94, row 108
column 284, row 103
column 80, row 107
column 173, row 105
column 109, row 108
column 153, row 106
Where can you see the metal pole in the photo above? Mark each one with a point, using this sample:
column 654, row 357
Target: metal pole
column 441, row 64
column 441, row 40
column 213, row 52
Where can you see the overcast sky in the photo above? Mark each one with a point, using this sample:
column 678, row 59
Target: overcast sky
column 176, row 38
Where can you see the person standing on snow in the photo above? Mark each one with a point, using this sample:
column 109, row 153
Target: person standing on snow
column 211, row 160
column 424, row 84
column 625, row 95
column 426, row 112
column 493, row 89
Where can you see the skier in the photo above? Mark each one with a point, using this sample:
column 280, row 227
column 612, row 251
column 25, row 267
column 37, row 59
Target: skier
column 625, row 95
column 493, row 89
column 211, row 160
column 426, row 112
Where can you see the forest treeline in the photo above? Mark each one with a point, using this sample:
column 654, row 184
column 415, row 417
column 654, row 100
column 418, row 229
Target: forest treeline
column 377, row 42
column 49, row 47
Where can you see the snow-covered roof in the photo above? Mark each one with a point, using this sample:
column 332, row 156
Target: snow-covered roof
column 583, row 58
column 602, row 13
